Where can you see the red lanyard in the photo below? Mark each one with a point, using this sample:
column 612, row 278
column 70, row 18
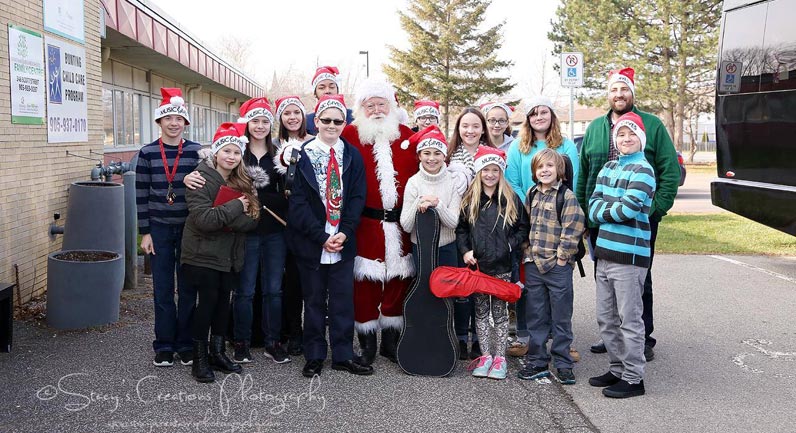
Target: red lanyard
column 170, row 176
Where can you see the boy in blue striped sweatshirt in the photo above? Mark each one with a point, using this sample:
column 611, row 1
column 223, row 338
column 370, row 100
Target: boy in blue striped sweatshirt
column 160, row 199
column 621, row 204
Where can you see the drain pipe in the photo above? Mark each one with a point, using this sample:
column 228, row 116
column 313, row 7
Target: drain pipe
column 130, row 231
column 229, row 106
column 55, row 229
column 189, row 90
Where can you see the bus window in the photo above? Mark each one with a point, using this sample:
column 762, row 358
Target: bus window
column 743, row 42
column 779, row 45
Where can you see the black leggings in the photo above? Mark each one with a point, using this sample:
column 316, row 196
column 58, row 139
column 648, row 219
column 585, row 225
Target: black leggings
column 213, row 288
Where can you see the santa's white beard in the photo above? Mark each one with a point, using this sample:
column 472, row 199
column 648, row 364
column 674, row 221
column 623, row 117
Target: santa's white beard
column 378, row 130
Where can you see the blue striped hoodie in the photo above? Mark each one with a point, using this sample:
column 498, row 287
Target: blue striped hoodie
column 151, row 184
column 621, row 205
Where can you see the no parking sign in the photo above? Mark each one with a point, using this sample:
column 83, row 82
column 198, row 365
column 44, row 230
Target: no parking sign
column 730, row 77
column 571, row 69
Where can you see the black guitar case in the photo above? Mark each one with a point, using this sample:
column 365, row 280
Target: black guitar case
column 428, row 345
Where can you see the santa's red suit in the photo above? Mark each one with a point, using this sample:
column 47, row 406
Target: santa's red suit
column 383, row 267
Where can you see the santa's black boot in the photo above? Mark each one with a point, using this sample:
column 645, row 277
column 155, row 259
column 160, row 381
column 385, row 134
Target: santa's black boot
column 367, row 345
column 389, row 343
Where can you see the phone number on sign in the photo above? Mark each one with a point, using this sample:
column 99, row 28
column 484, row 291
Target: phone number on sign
column 67, row 124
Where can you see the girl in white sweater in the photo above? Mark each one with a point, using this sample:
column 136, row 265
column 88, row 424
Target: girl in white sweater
column 432, row 186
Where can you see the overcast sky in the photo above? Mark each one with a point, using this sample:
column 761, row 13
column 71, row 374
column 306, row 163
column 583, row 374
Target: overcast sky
column 304, row 33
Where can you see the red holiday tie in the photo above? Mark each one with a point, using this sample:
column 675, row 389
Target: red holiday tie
column 333, row 188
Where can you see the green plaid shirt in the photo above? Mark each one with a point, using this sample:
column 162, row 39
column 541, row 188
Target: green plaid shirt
column 550, row 240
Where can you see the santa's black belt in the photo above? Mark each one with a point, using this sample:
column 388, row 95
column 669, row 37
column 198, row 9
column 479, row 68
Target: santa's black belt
column 386, row 215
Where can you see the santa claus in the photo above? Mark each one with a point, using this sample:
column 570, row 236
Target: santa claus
column 383, row 267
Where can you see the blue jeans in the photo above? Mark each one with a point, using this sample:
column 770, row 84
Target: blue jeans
column 464, row 313
column 549, row 310
column 446, row 256
column 521, row 305
column 265, row 253
column 172, row 321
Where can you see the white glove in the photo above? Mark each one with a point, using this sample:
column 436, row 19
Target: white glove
column 461, row 177
column 282, row 157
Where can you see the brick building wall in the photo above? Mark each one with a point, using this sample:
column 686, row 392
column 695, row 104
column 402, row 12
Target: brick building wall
column 34, row 175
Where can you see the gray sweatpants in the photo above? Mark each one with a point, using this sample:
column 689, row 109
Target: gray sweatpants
column 619, row 309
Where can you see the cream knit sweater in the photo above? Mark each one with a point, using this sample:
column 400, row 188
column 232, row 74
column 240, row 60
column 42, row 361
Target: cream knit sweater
column 440, row 185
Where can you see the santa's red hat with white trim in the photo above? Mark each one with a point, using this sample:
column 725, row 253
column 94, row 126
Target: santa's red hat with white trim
column 330, row 101
column 626, row 76
column 172, row 104
column 325, row 73
column 429, row 138
column 425, row 107
column 489, row 155
column 256, row 107
column 634, row 122
column 229, row 133
column 283, row 102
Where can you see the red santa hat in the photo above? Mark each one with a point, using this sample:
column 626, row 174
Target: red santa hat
column 375, row 88
column 489, row 155
column 283, row 102
column 485, row 107
column 634, row 122
column 330, row 101
column 624, row 76
column 429, row 138
column 172, row 103
column 229, row 133
column 426, row 107
column 256, row 107
column 325, row 73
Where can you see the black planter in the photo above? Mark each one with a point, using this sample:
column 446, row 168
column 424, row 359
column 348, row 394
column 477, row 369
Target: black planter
column 95, row 217
column 81, row 294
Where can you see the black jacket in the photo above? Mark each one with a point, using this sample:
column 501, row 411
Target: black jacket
column 490, row 242
column 272, row 195
column 306, row 227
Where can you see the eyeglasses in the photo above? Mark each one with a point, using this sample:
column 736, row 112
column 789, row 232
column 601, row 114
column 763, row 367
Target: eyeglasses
column 432, row 119
column 337, row 122
column 498, row 122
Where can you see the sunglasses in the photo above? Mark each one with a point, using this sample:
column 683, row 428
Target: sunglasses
column 337, row 122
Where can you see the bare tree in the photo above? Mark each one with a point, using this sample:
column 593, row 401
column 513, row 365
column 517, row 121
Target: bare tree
column 236, row 51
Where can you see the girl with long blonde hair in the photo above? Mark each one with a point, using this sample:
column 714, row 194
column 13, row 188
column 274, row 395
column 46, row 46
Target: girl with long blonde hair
column 492, row 225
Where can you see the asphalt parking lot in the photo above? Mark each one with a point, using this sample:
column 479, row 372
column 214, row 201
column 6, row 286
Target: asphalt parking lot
column 724, row 362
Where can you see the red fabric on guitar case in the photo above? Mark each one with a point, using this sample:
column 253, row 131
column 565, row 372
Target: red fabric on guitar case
column 449, row 281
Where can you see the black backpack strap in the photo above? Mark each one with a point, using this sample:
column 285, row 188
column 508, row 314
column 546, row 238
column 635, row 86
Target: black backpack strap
column 560, row 208
column 290, row 176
